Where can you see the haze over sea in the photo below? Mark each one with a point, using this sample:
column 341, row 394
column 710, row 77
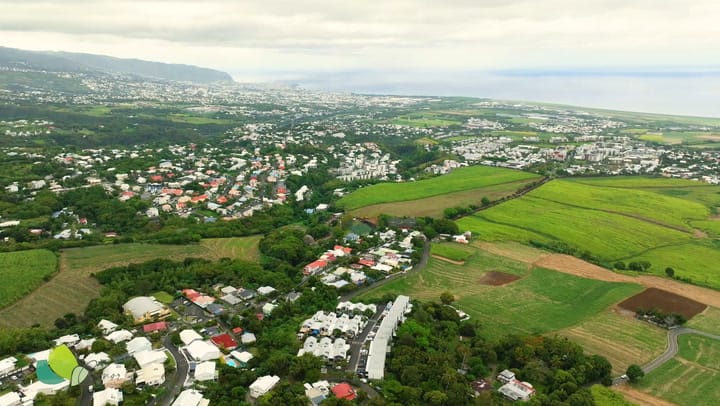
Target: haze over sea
column 693, row 92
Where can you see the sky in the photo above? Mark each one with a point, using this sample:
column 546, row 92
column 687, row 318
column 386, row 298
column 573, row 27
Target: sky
column 392, row 41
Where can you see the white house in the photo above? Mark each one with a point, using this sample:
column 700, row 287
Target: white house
column 263, row 385
column 138, row 344
column 202, row 351
column 7, row 365
column 108, row 396
column 107, row 326
column 145, row 358
column 153, row 375
column 205, row 371
column 96, row 359
column 114, row 376
column 190, row 397
column 248, row 338
column 119, row 336
column 188, row 336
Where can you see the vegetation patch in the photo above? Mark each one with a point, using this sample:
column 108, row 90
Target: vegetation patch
column 604, row 396
column 664, row 301
column 23, row 271
column 453, row 251
column 707, row 321
column 472, row 177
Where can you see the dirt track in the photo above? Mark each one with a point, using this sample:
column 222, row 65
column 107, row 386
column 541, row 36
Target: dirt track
column 452, row 261
column 641, row 398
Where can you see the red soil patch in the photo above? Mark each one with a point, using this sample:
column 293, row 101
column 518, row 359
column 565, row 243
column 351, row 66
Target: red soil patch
column 494, row 278
column 667, row 302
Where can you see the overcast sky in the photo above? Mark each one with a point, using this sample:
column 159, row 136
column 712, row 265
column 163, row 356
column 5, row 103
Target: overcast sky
column 253, row 39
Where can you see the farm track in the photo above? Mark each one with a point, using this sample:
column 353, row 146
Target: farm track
column 673, row 347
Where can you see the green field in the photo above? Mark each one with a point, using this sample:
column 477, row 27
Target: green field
column 542, row 301
column 461, row 179
column 622, row 339
column 692, row 377
column 657, row 220
column 453, row 251
column 434, row 206
column 423, row 121
column 163, row 297
column 23, row 271
column 604, row 396
column 707, row 321
column 73, row 287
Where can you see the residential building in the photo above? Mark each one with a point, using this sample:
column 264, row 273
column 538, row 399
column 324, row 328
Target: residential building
column 263, row 385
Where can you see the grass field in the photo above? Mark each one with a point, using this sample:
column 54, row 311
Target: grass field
column 163, row 297
column 688, row 260
column 623, row 340
column 461, row 179
column 434, row 206
column 542, row 301
column 23, row 271
column 454, row 251
column 692, row 377
column 605, row 397
column 73, row 287
column 708, row 321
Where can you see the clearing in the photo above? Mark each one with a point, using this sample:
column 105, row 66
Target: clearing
column 665, row 301
column 453, row 251
column 70, row 290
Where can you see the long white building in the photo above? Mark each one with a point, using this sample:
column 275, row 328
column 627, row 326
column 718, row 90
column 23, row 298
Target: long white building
column 380, row 345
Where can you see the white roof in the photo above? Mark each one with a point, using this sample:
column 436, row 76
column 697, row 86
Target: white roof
column 8, row 363
column 10, row 399
column 188, row 336
column 107, row 326
column 32, row 390
column 108, row 396
column 96, row 359
column 205, row 371
column 248, row 338
column 119, row 336
column 242, row 356
column 203, row 351
column 153, row 374
column 265, row 290
column 145, row 358
column 114, row 372
column 142, row 305
column 70, row 339
column 85, row 344
column 263, row 385
column 138, row 344
column 190, row 397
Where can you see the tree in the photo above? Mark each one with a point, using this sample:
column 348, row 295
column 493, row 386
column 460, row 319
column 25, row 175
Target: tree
column 670, row 272
column 485, row 201
column 620, row 265
column 447, row 298
column 634, row 372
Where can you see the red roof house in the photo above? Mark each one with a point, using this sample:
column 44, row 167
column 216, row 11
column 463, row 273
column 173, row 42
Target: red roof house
column 153, row 327
column 344, row 391
column 225, row 341
column 191, row 294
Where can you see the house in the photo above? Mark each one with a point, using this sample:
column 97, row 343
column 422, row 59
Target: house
column 246, row 294
column 231, row 299
column 68, row 340
column 188, row 336
column 263, row 385
column 119, row 336
column 225, row 341
column 314, row 267
column 516, row 390
column 317, row 392
column 190, row 397
column 293, row 296
column 96, row 360
column 244, row 357
column 108, row 396
column 268, row 308
column 506, row 376
column 205, row 371
column 115, row 376
column 7, row 366
column 154, row 327
column 143, row 308
column 265, row 290
column 202, row 351
column 248, row 338
column 11, row 399
column 344, row 391
column 138, row 344
column 145, row 358
column 152, row 375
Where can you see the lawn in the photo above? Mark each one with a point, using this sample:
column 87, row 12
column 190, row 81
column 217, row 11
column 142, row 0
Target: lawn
column 435, row 205
column 23, row 271
column 461, row 179
column 542, row 301
column 708, row 321
column 692, row 377
column 453, row 251
column 163, row 297
column 73, row 287
column 622, row 339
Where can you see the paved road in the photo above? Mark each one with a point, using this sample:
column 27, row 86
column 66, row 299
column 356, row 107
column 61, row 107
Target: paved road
column 357, row 344
column 417, row 268
column 671, row 350
column 175, row 384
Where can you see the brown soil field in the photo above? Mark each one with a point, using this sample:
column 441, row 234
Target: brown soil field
column 641, row 398
column 653, row 298
column 575, row 266
column 494, row 278
column 710, row 137
column 452, row 261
